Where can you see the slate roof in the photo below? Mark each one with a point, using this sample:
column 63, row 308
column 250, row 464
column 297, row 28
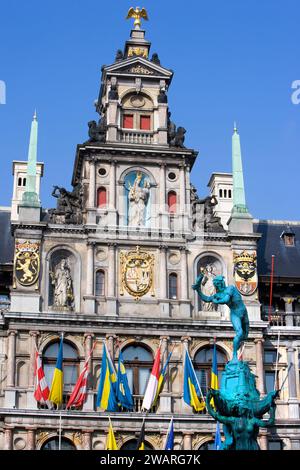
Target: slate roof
column 287, row 258
column 6, row 239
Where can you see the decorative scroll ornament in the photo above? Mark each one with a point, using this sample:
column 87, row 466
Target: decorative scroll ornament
column 245, row 272
column 27, row 263
column 137, row 273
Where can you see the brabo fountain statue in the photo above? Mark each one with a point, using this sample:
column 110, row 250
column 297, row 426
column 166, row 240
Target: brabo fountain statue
column 237, row 404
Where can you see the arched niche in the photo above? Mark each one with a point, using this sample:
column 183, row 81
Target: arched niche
column 53, row 262
column 211, row 265
column 138, row 202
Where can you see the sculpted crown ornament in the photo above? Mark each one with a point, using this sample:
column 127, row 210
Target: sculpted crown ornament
column 244, row 257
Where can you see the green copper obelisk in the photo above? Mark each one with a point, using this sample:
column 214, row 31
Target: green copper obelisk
column 30, row 197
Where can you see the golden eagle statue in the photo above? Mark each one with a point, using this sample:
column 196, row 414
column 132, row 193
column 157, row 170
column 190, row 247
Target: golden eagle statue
column 137, row 14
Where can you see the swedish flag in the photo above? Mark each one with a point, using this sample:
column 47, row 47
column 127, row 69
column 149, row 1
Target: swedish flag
column 191, row 387
column 106, row 397
column 124, row 395
column 214, row 374
column 56, row 391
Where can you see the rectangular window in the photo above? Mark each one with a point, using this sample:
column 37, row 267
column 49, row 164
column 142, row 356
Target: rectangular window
column 128, row 121
column 145, row 123
column 270, row 357
column 269, row 379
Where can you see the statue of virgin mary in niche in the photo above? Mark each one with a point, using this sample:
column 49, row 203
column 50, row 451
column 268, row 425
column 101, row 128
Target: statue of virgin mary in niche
column 137, row 201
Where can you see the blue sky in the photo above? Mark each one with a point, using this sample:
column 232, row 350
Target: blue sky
column 233, row 60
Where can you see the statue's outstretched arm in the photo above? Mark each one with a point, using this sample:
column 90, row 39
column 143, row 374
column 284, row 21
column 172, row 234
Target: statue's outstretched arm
column 215, row 414
column 271, row 420
column 197, row 288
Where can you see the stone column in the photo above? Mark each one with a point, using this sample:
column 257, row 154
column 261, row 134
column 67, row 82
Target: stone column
column 110, row 345
column 162, row 187
column 293, row 401
column 260, row 365
column 263, row 439
column 164, row 356
column 88, row 347
column 163, row 278
column 11, row 359
column 87, row 435
column 184, row 274
column 30, row 439
column 111, row 270
column 90, row 269
column 33, row 348
column 92, row 185
column 111, row 281
column 112, row 185
column 182, row 199
column 289, row 314
column 88, row 344
column 187, row 441
column 8, row 439
column 89, row 298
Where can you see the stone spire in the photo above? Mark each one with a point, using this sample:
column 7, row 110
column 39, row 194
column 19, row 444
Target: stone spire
column 30, row 196
column 239, row 200
column 240, row 220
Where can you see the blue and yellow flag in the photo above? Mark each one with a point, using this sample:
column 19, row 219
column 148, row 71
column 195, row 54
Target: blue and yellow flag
column 214, row 374
column 56, row 391
column 106, row 397
column 124, row 395
column 191, row 387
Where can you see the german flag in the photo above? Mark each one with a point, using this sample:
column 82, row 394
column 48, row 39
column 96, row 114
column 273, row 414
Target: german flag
column 141, row 441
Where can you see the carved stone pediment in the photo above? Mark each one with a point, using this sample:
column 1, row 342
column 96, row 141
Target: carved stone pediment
column 138, row 66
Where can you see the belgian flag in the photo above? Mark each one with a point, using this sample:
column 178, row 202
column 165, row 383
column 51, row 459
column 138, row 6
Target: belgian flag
column 141, row 441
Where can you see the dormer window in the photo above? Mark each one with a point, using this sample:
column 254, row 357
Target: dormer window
column 288, row 237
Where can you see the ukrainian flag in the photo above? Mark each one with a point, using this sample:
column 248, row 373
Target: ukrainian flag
column 214, row 374
column 123, row 391
column 191, row 387
column 56, row 391
column 111, row 440
column 106, row 397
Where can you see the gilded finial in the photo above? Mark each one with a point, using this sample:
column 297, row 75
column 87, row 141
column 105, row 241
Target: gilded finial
column 137, row 14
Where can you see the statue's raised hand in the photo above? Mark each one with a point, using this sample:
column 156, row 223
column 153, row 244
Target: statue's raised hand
column 197, row 284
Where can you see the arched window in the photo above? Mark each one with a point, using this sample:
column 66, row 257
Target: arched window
column 19, row 181
column 221, row 192
column 173, row 286
column 24, row 181
column 101, row 197
column 53, row 444
column 203, row 364
column 172, row 201
column 229, row 193
column 209, row 445
column 70, row 364
column 100, row 283
column 131, row 445
column 138, row 362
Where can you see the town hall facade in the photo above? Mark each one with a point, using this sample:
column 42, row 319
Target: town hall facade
column 115, row 261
